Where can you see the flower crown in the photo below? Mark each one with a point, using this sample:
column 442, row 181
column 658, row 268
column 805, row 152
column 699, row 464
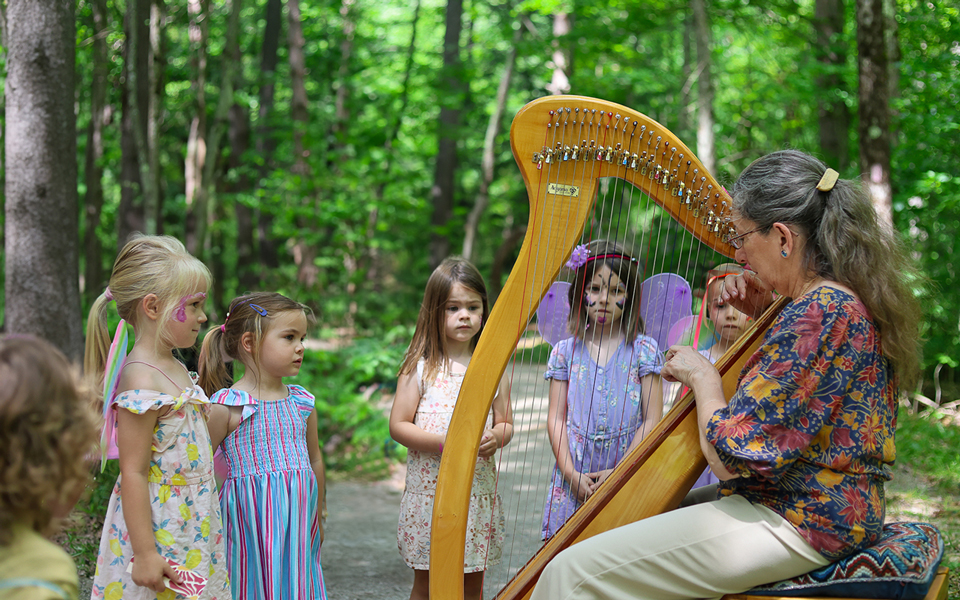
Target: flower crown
column 581, row 256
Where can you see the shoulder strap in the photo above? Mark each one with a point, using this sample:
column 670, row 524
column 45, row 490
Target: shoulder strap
column 130, row 362
column 420, row 377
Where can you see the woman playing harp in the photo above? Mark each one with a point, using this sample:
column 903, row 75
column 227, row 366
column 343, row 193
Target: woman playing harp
column 803, row 446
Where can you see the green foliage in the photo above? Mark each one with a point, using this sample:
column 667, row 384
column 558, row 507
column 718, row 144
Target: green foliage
column 929, row 440
column 353, row 387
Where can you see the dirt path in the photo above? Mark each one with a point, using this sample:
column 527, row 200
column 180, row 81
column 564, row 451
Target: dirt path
column 360, row 557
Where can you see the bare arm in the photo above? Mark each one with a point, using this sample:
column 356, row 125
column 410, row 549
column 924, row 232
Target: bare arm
column 580, row 483
column 502, row 431
column 319, row 471
column 134, row 441
column 651, row 407
column 402, row 428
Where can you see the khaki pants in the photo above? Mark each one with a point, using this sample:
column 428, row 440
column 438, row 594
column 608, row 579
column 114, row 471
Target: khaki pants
column 700, row 551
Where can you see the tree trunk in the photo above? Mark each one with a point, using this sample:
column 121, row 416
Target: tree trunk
column 196, row 160
column 154, row 109
column 131, row 215
column 441, row 193
column 266, row 145
column 705, row 143
column 560, row 83
column 93, row 277
column 41, row 244
column 489, row 151
column 874, row 106
column 830, row 50
column 304, row 254
column 683, row 118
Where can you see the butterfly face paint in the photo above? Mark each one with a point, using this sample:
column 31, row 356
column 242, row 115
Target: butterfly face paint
column 604, row 297
column 180, row 314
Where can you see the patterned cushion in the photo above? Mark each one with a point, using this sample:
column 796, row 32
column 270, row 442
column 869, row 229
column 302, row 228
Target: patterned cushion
column 901, row 565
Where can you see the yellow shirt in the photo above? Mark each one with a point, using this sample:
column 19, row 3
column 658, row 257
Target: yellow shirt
column 34, row 568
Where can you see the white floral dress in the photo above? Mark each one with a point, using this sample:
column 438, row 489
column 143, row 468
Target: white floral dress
column 184, row 507
column 485, row 521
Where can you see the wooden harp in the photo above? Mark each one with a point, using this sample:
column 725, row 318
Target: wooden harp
column 568, row 148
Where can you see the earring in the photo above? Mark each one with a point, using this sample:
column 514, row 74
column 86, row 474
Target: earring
column 783, row 253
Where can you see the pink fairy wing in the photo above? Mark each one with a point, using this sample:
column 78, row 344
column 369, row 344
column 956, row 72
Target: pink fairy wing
column 684, row 332
column 115, row 358
column 664, row 300
column 553, row 312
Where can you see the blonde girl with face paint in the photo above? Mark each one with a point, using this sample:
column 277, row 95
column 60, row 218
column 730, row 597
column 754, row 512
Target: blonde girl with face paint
column 164, row 507
column 605, row 389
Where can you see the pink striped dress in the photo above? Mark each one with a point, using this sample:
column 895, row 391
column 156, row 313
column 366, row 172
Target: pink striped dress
column 269, row 500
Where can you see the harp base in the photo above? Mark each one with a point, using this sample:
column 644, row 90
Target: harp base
column 937, row 591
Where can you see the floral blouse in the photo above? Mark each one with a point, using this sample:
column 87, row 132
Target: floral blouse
column 810, row 430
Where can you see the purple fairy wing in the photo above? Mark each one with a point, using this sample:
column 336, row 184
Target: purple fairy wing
column 118, row 352
column 553, row 312
column 664, row 299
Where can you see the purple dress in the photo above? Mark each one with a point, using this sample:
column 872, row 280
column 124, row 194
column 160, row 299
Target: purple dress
column 603, row 413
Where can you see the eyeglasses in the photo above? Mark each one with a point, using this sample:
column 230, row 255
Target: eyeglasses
column 737, row 240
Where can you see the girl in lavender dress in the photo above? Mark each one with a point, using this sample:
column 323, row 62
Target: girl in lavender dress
column 605, row 389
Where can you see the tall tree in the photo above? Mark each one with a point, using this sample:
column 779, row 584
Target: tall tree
column 489, row 150
column 134, row 213
column 41, row 244
column 266, row 144
column 831, row 52
column 705, row 141
column 444, row 177
column 196, row 190
column 93, row 277
column 874, row 106
column 560, row 82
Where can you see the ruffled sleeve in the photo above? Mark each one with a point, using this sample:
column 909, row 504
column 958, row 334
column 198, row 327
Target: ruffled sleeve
column 141, row 401
column 558, row 365
column 649, row 359
column 303, row 398
column 231, row 397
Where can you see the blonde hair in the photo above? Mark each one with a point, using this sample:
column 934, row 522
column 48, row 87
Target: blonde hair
column 429, row 338
column 846, row 243
column 621, row 264
column 222, row 344
column 147, row 264
column 47, row 431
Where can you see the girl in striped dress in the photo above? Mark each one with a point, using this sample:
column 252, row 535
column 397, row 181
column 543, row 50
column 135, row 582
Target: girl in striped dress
column 273, row 495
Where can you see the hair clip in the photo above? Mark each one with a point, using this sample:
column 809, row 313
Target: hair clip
column 262, row 311
column 828, row 180
column 578, row 257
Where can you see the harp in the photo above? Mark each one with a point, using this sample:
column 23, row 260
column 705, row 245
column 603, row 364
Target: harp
column 571, row 150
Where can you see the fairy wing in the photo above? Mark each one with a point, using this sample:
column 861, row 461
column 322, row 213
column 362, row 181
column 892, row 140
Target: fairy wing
column 665, row 299
column 118, row 352
column 553, row 312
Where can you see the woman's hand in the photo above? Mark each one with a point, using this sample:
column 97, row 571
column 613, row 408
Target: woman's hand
column 150, row 569
column 747, row 293
column 684, row 364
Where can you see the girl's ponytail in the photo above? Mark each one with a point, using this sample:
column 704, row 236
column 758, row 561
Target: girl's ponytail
column 212, row 367
column 97, row 345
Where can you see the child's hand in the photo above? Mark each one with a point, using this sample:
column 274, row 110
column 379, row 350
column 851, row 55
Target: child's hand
column 489, row 443
column 150, row 569
column 582, row 485
column 599, row 477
